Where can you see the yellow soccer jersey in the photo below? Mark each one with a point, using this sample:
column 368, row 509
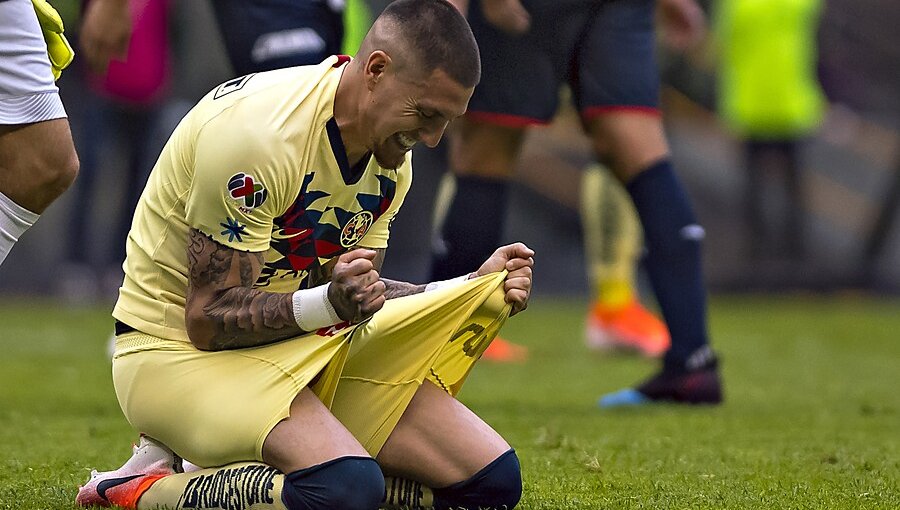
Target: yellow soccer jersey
column 258, row 165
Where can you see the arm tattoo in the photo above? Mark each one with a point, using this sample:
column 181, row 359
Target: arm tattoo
column 395, row 289
column 235, row 315
column 245, row 317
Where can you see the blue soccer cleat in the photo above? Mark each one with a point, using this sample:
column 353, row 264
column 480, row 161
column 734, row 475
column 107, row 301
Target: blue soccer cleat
column 697, row 384
column 623, row 398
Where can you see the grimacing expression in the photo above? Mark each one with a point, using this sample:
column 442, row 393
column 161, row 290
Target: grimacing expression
column 406, row 110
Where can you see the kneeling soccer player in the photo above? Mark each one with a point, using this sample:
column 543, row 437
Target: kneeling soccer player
column 247, row 335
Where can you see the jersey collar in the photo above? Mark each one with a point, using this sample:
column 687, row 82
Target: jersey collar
column 350, row 174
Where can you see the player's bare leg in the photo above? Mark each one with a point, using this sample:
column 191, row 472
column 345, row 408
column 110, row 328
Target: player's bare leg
column 442, row 444
column 37, row 164
column 310, row 436
column 629, row 144
column 308, row 459
column 635, row 147
column 484, row 150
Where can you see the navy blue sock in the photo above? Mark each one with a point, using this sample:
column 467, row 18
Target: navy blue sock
column 673, row 261
column 498, row 486
column 348, row 483
column 473, row 227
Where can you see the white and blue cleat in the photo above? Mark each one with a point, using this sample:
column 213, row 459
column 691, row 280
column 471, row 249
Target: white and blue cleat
column 623, row 398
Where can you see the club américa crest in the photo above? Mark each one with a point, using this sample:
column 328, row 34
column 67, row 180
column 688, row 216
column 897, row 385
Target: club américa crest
column 247, row 191
column 355, row 229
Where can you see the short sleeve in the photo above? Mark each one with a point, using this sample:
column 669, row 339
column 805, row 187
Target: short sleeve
column 235, row 187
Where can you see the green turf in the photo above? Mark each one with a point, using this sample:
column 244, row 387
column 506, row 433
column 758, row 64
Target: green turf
column 812, row 418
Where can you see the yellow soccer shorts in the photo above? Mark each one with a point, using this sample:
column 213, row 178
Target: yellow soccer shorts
column 216, row 408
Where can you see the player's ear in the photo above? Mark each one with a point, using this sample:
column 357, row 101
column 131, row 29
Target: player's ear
column 376, row 64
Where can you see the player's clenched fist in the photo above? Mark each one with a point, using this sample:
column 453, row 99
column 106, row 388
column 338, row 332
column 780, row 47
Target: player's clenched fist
column 518, row 260
column 356, row 292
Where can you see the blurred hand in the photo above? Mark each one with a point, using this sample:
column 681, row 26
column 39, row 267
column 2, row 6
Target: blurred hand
column 356, row 292
column 518, row 260
column 105, row 33
column 510, row 16
column 682, row 22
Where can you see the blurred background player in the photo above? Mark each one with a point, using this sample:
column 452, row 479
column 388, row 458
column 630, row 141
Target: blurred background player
column 613, row 239
column 605, row 52
column 124, row 109
column 769, row 96
column 37, row 155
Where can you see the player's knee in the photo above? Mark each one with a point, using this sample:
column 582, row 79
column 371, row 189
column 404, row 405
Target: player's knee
column 349, row 483
column 497, row 486
column 69, row 170
column 56, row 164
column 63, row 168
column 49, row 174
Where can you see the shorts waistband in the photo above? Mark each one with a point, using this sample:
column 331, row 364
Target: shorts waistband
column 129, row 339
column 122, row 328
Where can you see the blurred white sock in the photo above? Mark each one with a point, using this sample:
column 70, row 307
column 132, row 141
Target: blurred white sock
column 14, row 221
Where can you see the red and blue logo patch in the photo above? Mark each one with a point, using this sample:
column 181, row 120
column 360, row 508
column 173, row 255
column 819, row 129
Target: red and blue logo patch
column 245, row 189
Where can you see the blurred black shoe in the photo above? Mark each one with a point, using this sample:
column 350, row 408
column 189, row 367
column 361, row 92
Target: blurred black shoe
column 693, row 382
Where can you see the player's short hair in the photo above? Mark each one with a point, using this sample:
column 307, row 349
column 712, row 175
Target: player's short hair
column 438, row 37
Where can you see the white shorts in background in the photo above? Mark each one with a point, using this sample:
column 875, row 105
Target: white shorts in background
column 27, row 91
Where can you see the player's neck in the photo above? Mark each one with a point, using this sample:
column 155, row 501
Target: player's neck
column 346, row 115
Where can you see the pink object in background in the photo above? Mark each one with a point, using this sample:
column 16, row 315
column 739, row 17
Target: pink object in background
column 143, row 77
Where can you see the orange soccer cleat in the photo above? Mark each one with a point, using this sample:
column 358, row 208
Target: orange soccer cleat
column 504, row 351
column 630, row 327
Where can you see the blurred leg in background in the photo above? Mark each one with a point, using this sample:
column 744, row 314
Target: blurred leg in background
column 119, row 140
column 770, row 98
column 612, row 245
column 37, row 155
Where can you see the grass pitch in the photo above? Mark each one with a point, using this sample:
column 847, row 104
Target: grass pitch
column 812, row 418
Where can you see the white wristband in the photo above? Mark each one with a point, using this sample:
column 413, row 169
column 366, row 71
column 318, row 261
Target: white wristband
column 446, row 283
column 313, row 309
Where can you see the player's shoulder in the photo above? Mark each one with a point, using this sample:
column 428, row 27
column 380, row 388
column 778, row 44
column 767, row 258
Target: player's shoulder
column 270, row 107
column 285, row 88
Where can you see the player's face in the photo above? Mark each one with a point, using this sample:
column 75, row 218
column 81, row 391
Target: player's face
column 407, row 110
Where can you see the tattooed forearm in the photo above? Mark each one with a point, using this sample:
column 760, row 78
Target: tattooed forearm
column 222, row 311
column 243, row 317
column 395, row 289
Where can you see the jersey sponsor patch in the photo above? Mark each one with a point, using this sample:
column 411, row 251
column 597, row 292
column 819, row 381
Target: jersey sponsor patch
column 247, row 191
column 356, row 228
column 232, row 86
